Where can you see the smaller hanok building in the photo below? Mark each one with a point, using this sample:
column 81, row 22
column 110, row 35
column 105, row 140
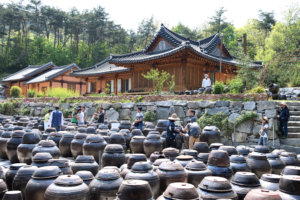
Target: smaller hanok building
column 24, row 75
column 104, row 75
column 57, row 77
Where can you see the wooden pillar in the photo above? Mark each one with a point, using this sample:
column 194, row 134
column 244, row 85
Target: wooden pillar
column 184, row 78
column 50, row 84
column 116, row 84
column 80, row 89
column 38, row 86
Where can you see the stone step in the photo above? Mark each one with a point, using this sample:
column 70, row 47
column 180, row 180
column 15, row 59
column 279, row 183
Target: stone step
column 293, row 104
column 294, row 135
column 294, row 123
column 294, row 129
column 294, row 113
column 290, row 141
column 294, row 118
column 294, row 108
column 291, row 148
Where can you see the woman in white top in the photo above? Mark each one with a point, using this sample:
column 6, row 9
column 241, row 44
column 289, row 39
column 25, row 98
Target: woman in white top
column 206, row 82
column 81, row 118
column 263, row 139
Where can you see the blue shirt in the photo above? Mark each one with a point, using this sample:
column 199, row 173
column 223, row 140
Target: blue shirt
column 193, row 119
column 171, row 131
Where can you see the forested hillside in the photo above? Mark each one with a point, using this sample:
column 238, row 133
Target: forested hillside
column 35, row 34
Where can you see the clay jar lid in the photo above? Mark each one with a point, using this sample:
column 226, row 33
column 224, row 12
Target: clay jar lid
column 94, row 139
column 85, row 175
column 81, row 130
column 263, row 194
column 201, row 147
column 18, row 134
column 103, row 127
column 215, row 146
column 291, row 170
column 68, row 135
column 218, row 158
column 136, row 132
column 134, row 190
column 154, row 133
column 273, row 178
column 42, row 157
column 85, row 159
column 195, row 165
column 47, row 143
column 162, row 123
column 237, row 159
column 30, row 138
column 242, row 150
column 141, row 167
column 261, row 149
column 158, row 161
column 190, row 152
column 125, row 122
column 171, row 166
column 139, row 138
column 215, row 184
column 171, row 152
column 27, row 170
column 68, row 180
column 17, row 166
column 80, row 136
column 288, row 154
column 231, row 150
column 247, row 179
column 6, row 134
column 133, row 158
column 257, row 156
column 108, row 174
column 152, row 137
column 46, row 172
column 278, row 151
column 271, row 156
column 116, row 138
column 59, row 163
column 55, row 134
column 113, row 148
column 181, row 191
column 290, row 184
column 91, row 130
column 184, row 157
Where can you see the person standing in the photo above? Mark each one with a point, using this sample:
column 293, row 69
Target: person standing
column 84, row 110
column 138, row 123
column 100, row 115
column 75, row 116
column 47, row 120
column 284, row 115
column 57, row 119
column 206, row 82
column 263, row 138
column 192, row 114
column 80, row 117
column 193, row 130
column 172, row 131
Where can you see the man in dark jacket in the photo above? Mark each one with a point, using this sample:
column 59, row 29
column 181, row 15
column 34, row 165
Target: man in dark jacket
column 57, row 119
column 284, row 115
column 172, row 131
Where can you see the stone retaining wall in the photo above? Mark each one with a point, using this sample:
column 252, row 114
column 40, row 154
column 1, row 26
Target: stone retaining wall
column 246, row 132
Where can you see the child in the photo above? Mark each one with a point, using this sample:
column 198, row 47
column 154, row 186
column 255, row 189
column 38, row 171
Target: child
column 263, row 139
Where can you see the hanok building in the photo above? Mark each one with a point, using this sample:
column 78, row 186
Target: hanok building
column 26, row 74
column 57, row 77
column 188, row 60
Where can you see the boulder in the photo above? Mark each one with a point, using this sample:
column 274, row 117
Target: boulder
column 162, row 112
column 117, row 106
column 240, row 137
column 112, row 114
column 245, row 127
column 237, row 105
column 64, row 106
column 249, row 105
column 265, row 105
column 179, row 111
column 125, row 114
column 91, row 111
column 106, row 106
column 213, row 111
column 193, row 105
column 206, row 104
column 180, row 103
column 222, row 103
column 164, row 103
column 271, row 113
column 127, row 105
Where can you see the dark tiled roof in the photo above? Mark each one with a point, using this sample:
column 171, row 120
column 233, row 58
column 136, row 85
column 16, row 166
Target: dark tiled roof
column 54, row 72
column 207, row 47
column 103, row 67
column 29, row 71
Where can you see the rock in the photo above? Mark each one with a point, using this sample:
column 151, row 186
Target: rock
column 249, row 105
column 193, row 105
column 151, row 108
column 240, row 137
column 265, row 105
column 117, row 106
column 233, row 117
column 91, row 111
column 112, row 114
column 179, row 111
column 88, row 104
column 127, row 105
column 106, row 106
column 206, row 104
column 245, row 127
column 164, row 103
column 199, row 113
column 213, row 111
column 271, row 113
column 65, row 106
column 125, row 114
column 180, row 103
column 162, row 112
column 222, row 103
column 237, row 105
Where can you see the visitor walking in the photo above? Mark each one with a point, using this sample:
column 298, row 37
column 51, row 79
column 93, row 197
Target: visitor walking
column 100, row 115
column 193, row 131
column 138, row 123
column 80, row 117
column 263, row 132
column 284, row 115
column 206, row 82
column 192, row 114
column 57, row 119
column 47, row 122
column 172, row 131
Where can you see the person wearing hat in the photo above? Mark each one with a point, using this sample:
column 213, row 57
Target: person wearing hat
column 284, row 115
column 172, row 131
column 206, row 82
column 138, row 123
column 263, row 138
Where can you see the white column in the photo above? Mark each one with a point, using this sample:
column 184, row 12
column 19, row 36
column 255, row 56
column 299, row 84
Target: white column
column 129, row 84
column 119, row 85
column 112, row 86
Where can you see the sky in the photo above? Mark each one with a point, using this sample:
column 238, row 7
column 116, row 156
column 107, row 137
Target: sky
column 192, row 13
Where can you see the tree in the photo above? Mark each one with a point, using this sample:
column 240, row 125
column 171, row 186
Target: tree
column 145, row 33
column 266, row 20
column 218, row 21
column 158, row 78
column 185, row 31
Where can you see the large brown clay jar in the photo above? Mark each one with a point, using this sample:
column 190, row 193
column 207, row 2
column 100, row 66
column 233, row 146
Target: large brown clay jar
column 3, row 141
column 47, row 146
column 85, row 163
column 12, row 145
column 94, row 145
column 76, row 144
column 65, row 144
column 24, row 150
column 136, row 144
column 263, row 194
column 11, row 173
column 113, row 155
column 259, row 164
column 134, row 190
column 180, row 191
column 152, row 143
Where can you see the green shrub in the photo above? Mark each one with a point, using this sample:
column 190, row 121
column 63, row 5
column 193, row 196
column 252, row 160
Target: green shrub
column 8, row 108
column 150, row 116
column 25, row 111
column 40, row 94
column 66, row 113
column 235, row 86
column 31, row 93
column 218, row 88
column 245, row 116
column 61, row 93
column 139, row 99
column 15, row 92
column 107, row 89
column 257, row 90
